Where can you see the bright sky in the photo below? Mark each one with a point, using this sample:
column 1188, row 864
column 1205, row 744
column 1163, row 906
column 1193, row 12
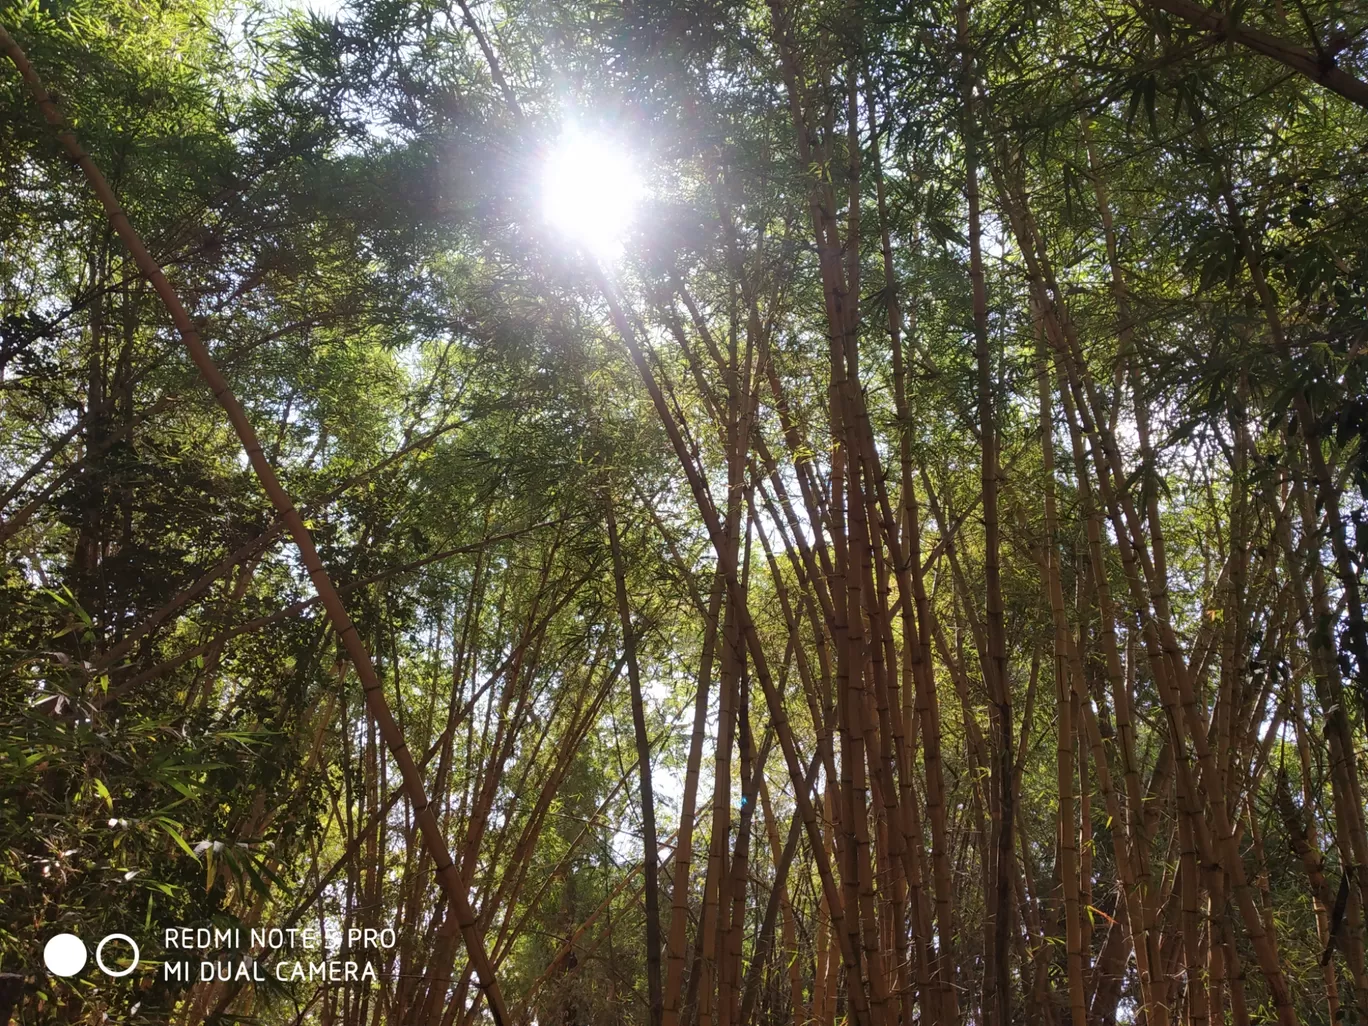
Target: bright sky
column 590, row 191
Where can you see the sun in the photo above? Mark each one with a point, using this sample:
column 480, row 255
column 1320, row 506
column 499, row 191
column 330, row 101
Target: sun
column 590, row 189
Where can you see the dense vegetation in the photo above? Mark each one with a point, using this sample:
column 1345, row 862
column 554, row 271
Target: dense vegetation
column 918, row 578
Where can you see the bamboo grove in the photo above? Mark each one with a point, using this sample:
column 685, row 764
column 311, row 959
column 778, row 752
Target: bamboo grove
column 918, row 577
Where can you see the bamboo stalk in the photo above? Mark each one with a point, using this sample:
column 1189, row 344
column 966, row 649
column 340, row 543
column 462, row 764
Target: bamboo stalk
column 376, row 703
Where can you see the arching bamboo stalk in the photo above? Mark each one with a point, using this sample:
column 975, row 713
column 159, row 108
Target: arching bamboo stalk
column 447, row 874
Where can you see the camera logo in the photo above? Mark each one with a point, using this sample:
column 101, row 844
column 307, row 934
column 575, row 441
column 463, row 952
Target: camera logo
column 65, row 955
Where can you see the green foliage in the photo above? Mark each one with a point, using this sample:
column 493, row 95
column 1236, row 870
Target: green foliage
column 348, row 205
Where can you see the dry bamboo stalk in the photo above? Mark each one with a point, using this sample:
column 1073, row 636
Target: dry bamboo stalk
column 1304, row 842
column 1172, row 671
column 1065, row 705
column 650, row 845
column 730, row 572
column 675, row 942
column 997, row 919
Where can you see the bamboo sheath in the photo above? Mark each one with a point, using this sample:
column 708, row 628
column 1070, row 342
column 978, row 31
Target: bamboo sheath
column 447, row 873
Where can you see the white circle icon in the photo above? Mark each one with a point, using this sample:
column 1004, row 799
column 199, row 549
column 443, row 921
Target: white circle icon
column 99, row 955
column 64, row 954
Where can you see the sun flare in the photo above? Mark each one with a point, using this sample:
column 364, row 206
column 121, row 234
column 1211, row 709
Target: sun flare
column 590, row 190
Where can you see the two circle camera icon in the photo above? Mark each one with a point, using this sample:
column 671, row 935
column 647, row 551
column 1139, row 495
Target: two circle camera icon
column 65, row 955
